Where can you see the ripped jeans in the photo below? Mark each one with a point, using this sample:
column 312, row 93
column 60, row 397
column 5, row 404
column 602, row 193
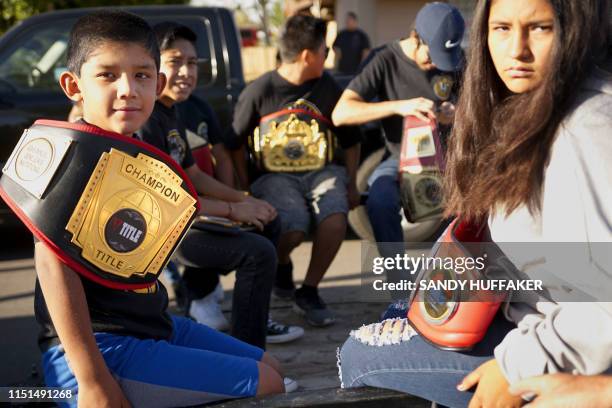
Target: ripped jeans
column 404, row 362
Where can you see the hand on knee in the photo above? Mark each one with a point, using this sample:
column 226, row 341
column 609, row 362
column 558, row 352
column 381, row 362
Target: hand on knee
column 270, row 382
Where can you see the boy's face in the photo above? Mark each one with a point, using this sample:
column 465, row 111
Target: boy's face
column 180, row 65
column 118, row 85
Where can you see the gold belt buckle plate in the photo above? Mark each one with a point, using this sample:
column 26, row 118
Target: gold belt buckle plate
column 131, row 214
column 293, row 145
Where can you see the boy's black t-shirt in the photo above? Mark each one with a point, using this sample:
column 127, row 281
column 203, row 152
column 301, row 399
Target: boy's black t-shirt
column 198, row 117
column 164, row 131
column 121, row 312
column 271, row 93
column 392, row 76
column 142, row 314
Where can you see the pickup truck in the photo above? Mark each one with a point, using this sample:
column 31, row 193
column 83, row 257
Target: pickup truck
column 33, row 55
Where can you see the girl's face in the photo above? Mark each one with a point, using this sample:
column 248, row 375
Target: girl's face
column 520, row 40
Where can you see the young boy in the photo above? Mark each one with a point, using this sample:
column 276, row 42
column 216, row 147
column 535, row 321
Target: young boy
column 208, row 253
column 119, row 347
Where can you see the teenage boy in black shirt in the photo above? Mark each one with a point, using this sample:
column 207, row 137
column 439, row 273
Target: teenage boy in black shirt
column 409, row 77
column 295, row 99
column 205, row 254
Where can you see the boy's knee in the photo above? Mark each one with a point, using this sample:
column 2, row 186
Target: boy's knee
column 346, row 358
column 381, row 204
column 270, row 381
column 292, row 239
column 271, row 361
column 261, row 247
column 334, row 225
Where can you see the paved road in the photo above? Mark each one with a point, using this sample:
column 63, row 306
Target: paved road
column 312, row 359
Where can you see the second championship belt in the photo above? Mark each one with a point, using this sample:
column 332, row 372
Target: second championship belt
column 458, row 319
column 292, row 140
column 420, row 170
column 111, row 207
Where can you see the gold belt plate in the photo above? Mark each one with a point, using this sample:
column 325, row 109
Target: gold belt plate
column 130, row 215
column 293, row 145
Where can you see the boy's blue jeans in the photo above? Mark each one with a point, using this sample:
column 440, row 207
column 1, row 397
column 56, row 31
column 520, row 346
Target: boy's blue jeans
column 416, row 367
column 196, row 366
column 384, row 207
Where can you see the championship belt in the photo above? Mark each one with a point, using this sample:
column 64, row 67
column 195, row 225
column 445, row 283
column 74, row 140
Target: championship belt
column 292, row 140
column 112, row 208
column 420, row 167
column 457, row 319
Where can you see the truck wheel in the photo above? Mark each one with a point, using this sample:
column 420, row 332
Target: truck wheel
column 358, row 217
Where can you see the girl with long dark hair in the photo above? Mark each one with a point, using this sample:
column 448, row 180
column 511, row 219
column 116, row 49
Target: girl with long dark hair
column 530, row 154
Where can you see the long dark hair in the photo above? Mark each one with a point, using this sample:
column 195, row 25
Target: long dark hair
column 500, row 144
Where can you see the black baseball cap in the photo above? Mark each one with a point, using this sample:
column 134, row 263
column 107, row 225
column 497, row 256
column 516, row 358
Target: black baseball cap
column 441, row 27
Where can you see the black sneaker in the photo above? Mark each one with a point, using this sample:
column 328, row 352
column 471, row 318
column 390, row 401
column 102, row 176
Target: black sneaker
column 311, row 306
column 280, row 333
column 284, row 288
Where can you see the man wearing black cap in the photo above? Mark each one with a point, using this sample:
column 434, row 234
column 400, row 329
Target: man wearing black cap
column 414, row 76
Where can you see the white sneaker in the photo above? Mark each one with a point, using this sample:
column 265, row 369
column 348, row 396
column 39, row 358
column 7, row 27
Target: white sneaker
column 281, row 333
column 290, row 385
column 219, row 293
column 207, row 311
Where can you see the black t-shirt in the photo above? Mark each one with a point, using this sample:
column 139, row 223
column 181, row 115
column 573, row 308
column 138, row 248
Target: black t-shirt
column 164, row 131
column 271, row 93
column 351, row 45
column 392, row 76
column 140, row 314
column 198, row 117
column 122, row 312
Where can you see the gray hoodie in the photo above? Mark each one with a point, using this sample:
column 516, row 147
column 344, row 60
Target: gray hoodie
column 553, row 335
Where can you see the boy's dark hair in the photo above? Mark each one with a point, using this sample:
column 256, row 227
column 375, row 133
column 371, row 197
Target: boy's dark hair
column 301, row 33
column 168, row 32
column 352, row 15
column 94, row 29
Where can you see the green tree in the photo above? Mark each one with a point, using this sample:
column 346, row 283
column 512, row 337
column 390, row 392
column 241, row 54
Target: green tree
column 13, row 11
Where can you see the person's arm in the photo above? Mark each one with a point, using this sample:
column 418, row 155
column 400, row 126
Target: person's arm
column 208, row 186
column 65, row 299
column 365, row 53
column 224, row 168
column 240, row 164
column 337, row 56
column 251, row 211
column 352, row 164
column 351, row 109
column 366, row 46
column 566, row 391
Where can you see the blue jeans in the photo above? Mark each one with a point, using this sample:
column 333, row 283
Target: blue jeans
column 253, row 257
column 384, row 208
column 416, row 367
column 304, row 198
